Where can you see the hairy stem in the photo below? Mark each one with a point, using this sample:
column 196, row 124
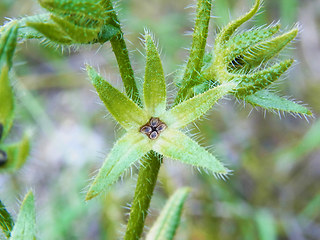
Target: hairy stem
column 147, row 179
column 199, row 41
column 120, row 50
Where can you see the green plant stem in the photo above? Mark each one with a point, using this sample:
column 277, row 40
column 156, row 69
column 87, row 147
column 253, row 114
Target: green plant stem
column 199, row 40
column 148, row 173
column 120, row 50
column 147, row 179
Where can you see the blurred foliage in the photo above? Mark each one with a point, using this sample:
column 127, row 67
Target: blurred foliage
column 273, row 192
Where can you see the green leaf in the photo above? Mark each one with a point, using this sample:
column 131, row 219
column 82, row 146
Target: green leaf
column 176, row 145
column 79, row 34
column 16, row 154
column 8, row 42
column 52, row 31
column 238, row 43
column 270, row 101
column 24, row 228
column 154, row 87
column 266, row 225
column 7, row 102
column 127, row 150
column 83, row 8
column 6, row 222
column 193, row 108
column 228, row 30
column 123, row 109
column 167, row 223
column 249, row 84
column 262, row 52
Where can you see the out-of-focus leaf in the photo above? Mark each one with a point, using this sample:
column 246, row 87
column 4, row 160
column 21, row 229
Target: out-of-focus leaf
column 16, row 154
column 6, row 102
column 8, row 42
column 167, row 223
column 6, row 222
column 266, row 225
column 24, row 228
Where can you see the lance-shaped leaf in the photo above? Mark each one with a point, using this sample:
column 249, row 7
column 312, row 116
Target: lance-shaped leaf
column 6, row 102
column 193, row 108
column 262, row 52
column 154, row 87
column 85, row 8
column 271, row 101
column 127, row 150
column 123, row 109
column 52, row 31
column 249, row 84
column 79, row 34
column 238, row 43
column 227, row 31
column 176, row 145
column 24, row 228
column 167, row 223
column 6, row 221
column 8, row 42
column 17, row 154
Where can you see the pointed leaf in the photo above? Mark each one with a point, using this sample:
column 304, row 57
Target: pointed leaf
column 6, row 102
column 16, row 154
column 242, row 41
column 52, row 31
column 89, row 8
column 127, row 150
column 6, row 222
column 228, row 30
column 24, row 228
column 8, row 42
column 26, row 32
column 154, row 87
column 167, row 223
column 249, row 84
column 123, row 109
column 193, row 108
column 176, row 145
column 262, row 52
column 79, row 34
column 270, row 101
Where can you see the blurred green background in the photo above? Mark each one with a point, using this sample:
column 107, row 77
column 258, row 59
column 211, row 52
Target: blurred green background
column 274, row 190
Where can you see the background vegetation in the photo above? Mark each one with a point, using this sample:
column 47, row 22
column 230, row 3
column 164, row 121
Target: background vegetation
column 274, row 190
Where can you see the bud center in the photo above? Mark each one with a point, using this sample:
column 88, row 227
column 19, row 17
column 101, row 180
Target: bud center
column 153, row 128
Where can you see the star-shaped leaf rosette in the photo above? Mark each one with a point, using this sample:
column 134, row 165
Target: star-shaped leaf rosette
column 153, row 127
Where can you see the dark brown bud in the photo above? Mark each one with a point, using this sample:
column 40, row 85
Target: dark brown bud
column 146, row 129
column 154, row 122
column 161, row 127
column 153, row 135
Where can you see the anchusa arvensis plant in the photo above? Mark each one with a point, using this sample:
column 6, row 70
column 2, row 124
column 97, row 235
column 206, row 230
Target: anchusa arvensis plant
column 241, row 64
